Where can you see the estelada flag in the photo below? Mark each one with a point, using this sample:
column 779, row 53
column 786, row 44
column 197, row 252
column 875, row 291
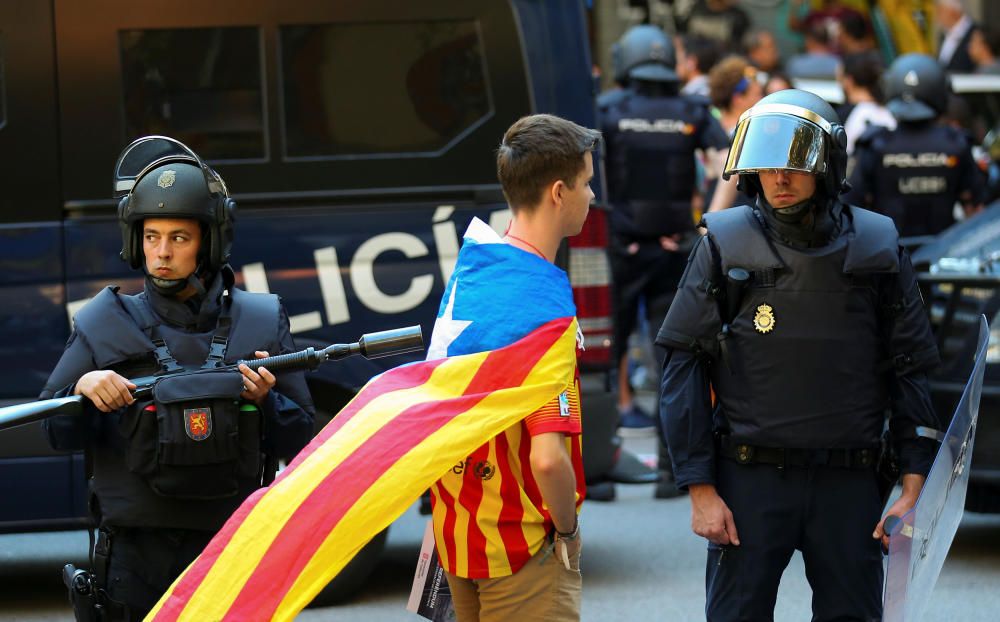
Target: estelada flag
column 402, row 431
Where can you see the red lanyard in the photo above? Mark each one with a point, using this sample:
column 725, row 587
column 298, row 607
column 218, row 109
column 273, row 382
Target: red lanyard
column 507, row 234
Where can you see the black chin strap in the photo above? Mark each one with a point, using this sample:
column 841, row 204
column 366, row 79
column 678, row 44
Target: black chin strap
column 169, row 287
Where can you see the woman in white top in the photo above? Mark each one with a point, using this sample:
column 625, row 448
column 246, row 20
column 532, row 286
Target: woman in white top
column 859, row 77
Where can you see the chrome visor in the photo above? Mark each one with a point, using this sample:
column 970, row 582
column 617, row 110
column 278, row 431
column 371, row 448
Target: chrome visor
column 776, row 140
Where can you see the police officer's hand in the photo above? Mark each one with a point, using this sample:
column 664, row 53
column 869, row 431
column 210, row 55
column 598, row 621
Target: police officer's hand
column 710, row 516
column 912, row 484
column 256, row 383
column 106, row 389
column 670, row 243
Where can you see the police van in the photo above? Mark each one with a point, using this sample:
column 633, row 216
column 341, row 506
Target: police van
column 358, row 139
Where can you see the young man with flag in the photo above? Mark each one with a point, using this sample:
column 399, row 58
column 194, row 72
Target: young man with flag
column 503, row 352
column 505, row 517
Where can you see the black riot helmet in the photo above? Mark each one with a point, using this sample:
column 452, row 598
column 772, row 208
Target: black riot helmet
column 644, row 53
column 792, row 130
column 159, row 177
column 916, row 88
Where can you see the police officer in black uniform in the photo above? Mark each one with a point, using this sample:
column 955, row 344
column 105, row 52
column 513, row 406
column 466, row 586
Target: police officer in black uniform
column 916, row 173
column 166, row 472
column 802, row 314
column 651, row 134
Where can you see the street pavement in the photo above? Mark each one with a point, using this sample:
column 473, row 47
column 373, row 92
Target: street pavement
column 640, row 562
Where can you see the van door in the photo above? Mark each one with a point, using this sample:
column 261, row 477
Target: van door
column 48, row 487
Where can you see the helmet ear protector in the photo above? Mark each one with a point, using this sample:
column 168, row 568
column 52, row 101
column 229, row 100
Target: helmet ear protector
column 150, row 153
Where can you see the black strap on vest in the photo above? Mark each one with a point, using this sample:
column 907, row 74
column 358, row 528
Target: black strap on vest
column 138, row 307
column 220, row 339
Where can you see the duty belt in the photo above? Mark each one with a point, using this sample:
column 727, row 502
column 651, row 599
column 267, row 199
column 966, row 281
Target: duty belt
column 745, row 453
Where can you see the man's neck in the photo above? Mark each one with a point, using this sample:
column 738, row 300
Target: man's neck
column 857, row 95
column 534, row 235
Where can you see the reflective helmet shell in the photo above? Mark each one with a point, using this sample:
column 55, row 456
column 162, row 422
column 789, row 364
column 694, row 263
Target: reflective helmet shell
column 178, row 185
column 916, row 88
column 792, row 130
column 644, row 52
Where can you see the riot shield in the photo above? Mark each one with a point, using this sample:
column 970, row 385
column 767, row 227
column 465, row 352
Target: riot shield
column 919, row 543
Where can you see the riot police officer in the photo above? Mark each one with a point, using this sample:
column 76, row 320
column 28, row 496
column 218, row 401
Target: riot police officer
column 916, row 173
column 166, row 472
column 651, row 134
column 802, row 314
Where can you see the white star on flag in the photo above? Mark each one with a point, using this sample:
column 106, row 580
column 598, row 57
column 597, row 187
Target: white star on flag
column 446, row 329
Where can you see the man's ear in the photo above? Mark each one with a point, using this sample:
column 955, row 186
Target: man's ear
column 556, row 191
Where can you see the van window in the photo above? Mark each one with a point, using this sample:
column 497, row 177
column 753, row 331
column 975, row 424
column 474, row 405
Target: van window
column 381, row 88
column 199, row 85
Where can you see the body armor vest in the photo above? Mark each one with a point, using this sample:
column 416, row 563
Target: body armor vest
column 804, row 350
column 917, row 177
column 651, row 146
column 190, row 455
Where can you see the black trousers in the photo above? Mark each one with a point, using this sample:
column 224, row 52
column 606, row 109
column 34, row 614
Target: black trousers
column 827, row 513
column 652, row 273
column 144, row 562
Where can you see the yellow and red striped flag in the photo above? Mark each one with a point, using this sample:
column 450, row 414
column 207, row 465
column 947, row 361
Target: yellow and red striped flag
column 399, row 434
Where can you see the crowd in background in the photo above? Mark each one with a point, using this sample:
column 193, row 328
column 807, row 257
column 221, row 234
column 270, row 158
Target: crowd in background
column 723, row 58
column 729, row 65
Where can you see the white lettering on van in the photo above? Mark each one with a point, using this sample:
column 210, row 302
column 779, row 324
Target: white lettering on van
column 255, row 280
column 446, row 240
column 363, row 273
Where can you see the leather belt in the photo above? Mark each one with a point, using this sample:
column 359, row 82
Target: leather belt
column 745, row 453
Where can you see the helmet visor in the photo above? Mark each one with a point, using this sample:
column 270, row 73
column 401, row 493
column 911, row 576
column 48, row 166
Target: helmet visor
column 146, row 153
column 777, row 141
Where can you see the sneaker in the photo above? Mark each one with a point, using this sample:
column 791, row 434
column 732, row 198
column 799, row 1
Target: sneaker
column 635, row 422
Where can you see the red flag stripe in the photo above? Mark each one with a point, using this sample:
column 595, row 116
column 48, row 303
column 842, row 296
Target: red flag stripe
column 325, row 506
column 400, row 378
column 512, row 511
column 469, row 497
column 449, row 529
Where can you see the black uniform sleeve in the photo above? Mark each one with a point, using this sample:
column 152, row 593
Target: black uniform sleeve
column 686, row 418
column 70, row 433
column 693, row 321
column 288, row 410
column 914, row 352
column 861, row 177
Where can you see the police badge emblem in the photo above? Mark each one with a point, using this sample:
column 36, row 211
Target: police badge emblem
column 166, row 179
column 763, row 321
column 198, row 423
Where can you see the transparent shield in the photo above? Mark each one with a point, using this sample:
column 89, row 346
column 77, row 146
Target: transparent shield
column 144, row 153
column 919, row 543
column 777, row 141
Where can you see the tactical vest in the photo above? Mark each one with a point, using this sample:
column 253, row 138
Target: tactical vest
column 917, row 177
column 194, row 441
column 805, row 350
column 651, row 146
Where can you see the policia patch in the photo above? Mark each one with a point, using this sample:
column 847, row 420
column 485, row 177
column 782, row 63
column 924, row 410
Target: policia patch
column 763, row 321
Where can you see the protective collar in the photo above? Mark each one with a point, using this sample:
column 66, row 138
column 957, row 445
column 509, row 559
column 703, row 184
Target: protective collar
column 809, row 224
column 200, row 311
